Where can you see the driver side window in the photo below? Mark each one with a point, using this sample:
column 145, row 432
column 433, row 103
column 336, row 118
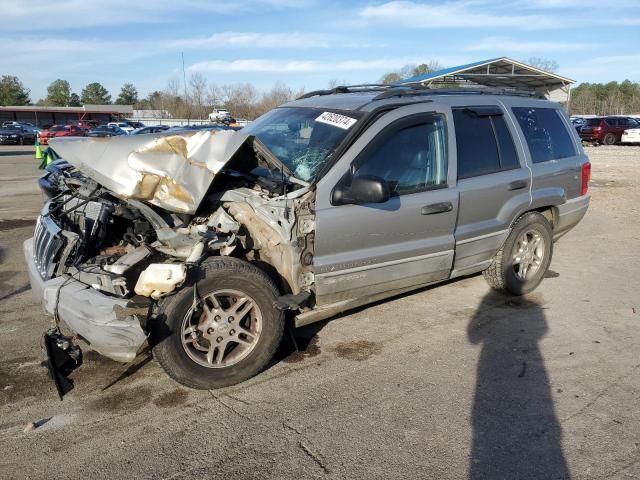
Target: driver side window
column 410, row 158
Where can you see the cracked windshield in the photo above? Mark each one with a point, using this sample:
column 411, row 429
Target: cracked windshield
column 302, row 138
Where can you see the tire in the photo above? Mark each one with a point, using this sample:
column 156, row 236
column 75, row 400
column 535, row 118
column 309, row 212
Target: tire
column 609, row 139
column 194, row 361
column 505, row 273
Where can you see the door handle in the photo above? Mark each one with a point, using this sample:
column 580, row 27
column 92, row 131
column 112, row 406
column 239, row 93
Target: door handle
column 518, row 185
column 441, row 207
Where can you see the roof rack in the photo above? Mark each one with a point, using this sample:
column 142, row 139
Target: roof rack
column 365, row 87
column 415, row 90
column 390, row 91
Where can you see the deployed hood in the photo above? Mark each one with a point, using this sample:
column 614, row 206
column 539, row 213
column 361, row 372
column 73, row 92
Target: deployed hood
column 172, row 172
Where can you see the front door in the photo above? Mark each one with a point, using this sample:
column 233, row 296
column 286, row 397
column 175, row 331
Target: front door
column 364, row 250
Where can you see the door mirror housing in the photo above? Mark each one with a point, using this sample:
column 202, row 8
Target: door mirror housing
column 363, row 189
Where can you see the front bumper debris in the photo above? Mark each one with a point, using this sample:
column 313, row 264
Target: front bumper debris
column 107, row 324
column 62, row 358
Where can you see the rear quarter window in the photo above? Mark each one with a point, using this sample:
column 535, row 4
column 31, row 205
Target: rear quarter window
column 545, row 132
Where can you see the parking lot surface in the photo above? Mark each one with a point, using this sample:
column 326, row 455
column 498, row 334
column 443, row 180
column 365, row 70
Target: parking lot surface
column 453, row 381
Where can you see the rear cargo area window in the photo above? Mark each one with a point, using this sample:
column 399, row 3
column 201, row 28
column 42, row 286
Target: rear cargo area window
column 545, row 132
column 483, row 142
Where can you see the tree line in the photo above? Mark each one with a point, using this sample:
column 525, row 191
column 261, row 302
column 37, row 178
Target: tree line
column 198, row 97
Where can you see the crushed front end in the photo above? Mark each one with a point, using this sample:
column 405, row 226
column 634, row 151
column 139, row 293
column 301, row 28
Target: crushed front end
column 102, row 258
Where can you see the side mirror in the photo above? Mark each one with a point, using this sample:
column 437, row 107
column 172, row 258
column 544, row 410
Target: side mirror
column 363, row 189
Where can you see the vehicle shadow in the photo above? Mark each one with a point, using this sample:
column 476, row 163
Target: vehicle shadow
column 516, row 433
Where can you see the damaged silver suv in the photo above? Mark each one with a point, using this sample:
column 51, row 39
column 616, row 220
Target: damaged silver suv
column 200, row 242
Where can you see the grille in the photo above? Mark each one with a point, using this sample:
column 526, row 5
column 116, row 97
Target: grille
column 46, row 245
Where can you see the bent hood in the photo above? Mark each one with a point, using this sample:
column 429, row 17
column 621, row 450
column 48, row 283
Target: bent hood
column 172, row 172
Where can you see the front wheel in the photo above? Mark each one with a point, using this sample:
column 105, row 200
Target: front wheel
column 227, row 335
column 521, row 263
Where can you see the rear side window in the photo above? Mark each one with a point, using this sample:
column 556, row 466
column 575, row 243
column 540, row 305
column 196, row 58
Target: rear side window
column 483, row 142
column 545, row 132
column 592, row 122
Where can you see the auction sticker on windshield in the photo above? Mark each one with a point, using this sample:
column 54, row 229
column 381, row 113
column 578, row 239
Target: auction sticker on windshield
column 336, row 120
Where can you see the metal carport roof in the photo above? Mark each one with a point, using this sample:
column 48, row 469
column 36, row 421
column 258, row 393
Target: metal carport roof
column 499, row 72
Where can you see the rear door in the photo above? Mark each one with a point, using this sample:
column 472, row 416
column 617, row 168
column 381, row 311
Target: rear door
column 553, row 152
column 493, row 181
column 364, row 250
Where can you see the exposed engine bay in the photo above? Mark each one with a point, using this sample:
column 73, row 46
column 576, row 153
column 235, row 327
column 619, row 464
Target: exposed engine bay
column 121, row 243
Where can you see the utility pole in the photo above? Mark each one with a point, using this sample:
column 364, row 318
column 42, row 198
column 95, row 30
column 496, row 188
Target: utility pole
column 184, row 81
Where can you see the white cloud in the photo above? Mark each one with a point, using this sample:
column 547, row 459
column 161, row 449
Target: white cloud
column 281, row 40
column 501, row 44
column 34, row 15
column 297, row 66
column 454, row 14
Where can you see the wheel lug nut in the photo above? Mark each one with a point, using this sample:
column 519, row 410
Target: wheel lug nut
column 219, row 339
column 216, row 318
column 232, row 332
column 210, row 331
column 230, row 319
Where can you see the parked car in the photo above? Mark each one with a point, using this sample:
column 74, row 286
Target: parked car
column 578, row 123
column 199, row 244
column 17, row 134
column 86, row 125
column 60, row 131
column 631, row 135
column 9, row 122
column 124, row 126
column 218, row 115
column 108, row 130
column 134, row 124
column 605, row 130
column 152, row 129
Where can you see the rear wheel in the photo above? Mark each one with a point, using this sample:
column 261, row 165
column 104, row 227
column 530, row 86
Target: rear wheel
column 609, row 139
column 228, row 335
column 521, row 263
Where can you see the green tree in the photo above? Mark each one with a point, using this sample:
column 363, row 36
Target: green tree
column 58, row 93
column 128, row 95
column 12, row 92
column 74, row 100
column 391, row 77
column 95, row 94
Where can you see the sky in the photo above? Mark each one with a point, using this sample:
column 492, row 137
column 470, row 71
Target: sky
column 305, row 43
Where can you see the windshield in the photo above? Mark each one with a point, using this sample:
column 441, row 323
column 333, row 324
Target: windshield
column 58, row 128
column 11, row 127
column 302, row 138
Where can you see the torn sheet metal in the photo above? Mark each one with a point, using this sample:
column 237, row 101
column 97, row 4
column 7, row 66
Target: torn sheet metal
column 172, row 172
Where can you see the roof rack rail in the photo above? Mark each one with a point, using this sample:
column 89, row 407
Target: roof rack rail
column 415, row 90
column 365, row 87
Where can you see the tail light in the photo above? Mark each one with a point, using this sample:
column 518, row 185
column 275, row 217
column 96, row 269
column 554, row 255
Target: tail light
column 596, row 129
column 586, row 176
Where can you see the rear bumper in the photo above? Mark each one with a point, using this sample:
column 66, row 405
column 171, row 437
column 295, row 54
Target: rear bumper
column 569, row 215
column 630, row 139
column 102, row 321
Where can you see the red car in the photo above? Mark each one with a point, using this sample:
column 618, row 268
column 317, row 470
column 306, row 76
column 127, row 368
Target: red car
column 61, row 131
column 86, row 125
column 606, row 130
